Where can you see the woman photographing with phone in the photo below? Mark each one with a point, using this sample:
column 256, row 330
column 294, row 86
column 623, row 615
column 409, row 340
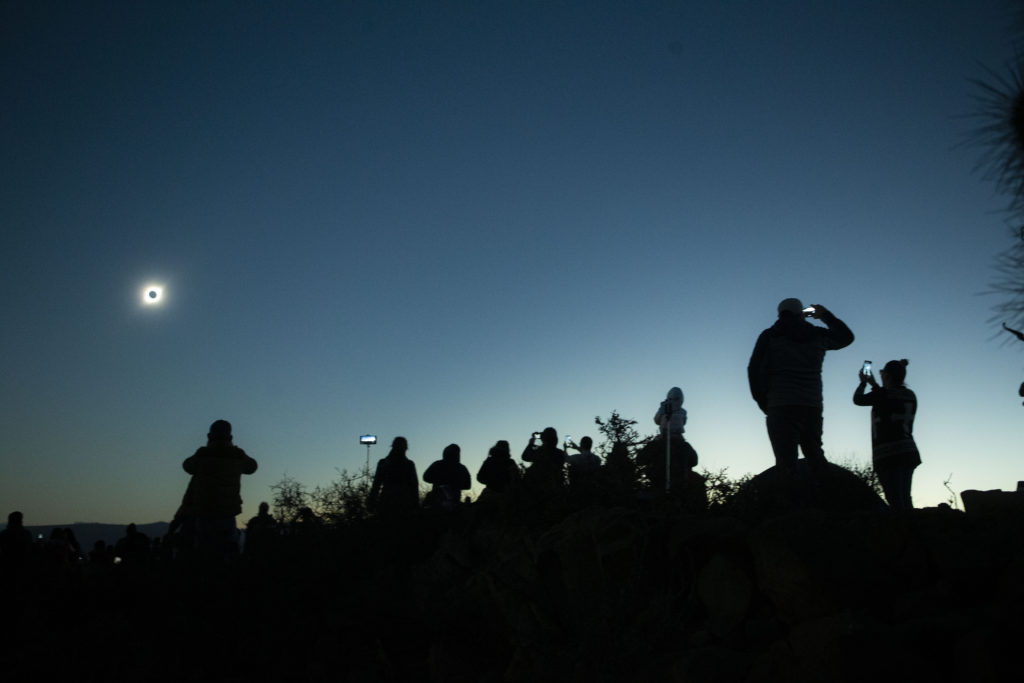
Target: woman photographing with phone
column 894, row 454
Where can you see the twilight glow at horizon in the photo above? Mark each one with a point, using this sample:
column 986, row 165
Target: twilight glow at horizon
column 466, row 223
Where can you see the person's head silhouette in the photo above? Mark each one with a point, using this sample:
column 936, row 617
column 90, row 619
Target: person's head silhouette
column 451, row 453
column 791, row 307
column 894, row 373
column 220, row 432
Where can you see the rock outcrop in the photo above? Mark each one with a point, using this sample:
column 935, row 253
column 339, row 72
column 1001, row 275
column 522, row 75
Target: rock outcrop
column 796, row 581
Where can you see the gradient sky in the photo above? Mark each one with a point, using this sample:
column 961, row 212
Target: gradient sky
column 462, row 222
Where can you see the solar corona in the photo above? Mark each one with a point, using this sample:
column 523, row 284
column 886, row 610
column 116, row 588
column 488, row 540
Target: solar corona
column 152, row 295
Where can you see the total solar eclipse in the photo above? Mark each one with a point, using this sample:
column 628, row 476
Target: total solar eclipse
column 152, row 295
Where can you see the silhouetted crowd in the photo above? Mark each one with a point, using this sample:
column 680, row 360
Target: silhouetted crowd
column 785, row 381
column 57, row 559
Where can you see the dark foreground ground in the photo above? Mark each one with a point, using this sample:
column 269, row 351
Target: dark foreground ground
column 648, row 592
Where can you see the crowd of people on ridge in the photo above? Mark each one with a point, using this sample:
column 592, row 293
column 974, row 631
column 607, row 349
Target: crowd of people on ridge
column 784, row 374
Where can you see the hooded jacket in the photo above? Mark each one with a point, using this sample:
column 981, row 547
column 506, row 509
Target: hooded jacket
column 785, row 367
column 676, row 423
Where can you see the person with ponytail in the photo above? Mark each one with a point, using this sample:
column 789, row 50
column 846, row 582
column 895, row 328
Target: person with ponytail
column 894, row 453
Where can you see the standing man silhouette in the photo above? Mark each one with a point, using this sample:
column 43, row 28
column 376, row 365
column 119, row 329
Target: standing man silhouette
column 785, row 378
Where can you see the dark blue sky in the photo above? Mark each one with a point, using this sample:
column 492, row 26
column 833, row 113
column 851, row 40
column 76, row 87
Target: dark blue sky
column 461, row 222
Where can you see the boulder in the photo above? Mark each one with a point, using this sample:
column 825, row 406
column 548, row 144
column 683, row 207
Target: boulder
column 779, row 490
column 993, row 503
column 726, row 590
column 586, row 561
column 810, row 563
column 792, row 566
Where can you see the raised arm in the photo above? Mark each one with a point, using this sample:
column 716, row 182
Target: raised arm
column 859, row 397
column 839, row 335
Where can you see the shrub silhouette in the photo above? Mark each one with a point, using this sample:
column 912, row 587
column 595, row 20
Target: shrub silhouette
column 339, row 502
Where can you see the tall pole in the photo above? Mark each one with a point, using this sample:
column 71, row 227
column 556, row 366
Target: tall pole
column 368, row 440
column 668, row 462
column 668, row 446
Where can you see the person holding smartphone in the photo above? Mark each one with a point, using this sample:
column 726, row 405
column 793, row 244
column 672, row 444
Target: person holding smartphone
column 894, row 453
column 546, row 473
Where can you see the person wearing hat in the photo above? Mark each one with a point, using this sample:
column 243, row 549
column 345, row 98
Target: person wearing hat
column 785, row 377
column 213, row 498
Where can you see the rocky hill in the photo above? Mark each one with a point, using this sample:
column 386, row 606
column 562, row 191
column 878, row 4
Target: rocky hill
column 797, row 579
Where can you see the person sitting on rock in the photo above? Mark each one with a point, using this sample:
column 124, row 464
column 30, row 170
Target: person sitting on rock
column 671, row 419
